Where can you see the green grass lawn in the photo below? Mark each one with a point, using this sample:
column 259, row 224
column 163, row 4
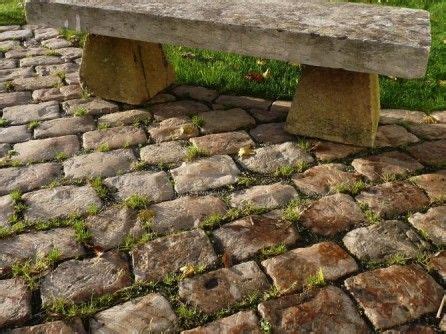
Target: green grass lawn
column 237, row 74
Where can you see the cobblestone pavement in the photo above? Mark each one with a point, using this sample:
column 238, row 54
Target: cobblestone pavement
column 198, row 213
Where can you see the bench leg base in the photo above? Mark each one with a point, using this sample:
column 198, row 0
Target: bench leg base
column 124, row 70
column 336, row 105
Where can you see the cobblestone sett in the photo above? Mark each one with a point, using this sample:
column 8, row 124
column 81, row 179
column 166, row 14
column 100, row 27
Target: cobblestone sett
column 38, row 82
column 10, row 74
column 47, row 94
column 433, row 184
column 395, row 295
column 6, row 210
column 47, row 149
column 324, row 311
column 176, row 109
column 184, row 213
column 93, row 107
column 398, row 116
column 156, row 259
column 386, row 165
column 245, row 237
column 226, row 120
column 431, row 153
column 15, row 302
column 64, row 126
column 21, row 52
column 268, row 159
column 40, row 60
column 80, row 280
column 268, row 196
column 223, row 143
column 31, row 112
column 241, row 322
column 14, row 134
column 438, row 264
column 70, row 53
column 149, row 314
column 112, row 138
column 245, row 102
column 328, row 151
column 45, row 33
column 110, row 227
column 332, row 214
column 440, row 116
column 99, row 164
column 223, row 287
column 60, row 202
column 383, row 241
column 196, row 93
column 209, row 173
column 71, row 92
column 28, row 178
column 173, row 129
column 7, row 64
column 15, row 34
column 57, row 69
column 270, row 133
column 429, row 131
column 56, row 43
column 393, row 198
column 156, row 186
column 432, row 224
column 293, row 270
column 128, row 117
column 54, row 327
column 164, row 153
column 322, row 179
column 394, row 135
column 38, row 245
column 4, row 149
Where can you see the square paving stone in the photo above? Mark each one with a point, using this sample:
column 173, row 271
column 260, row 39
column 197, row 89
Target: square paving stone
column 15, row 302
column 80, row 280
column 241, row 322
column 432, row 224
column 112, row 138
column 21, row 114
column 168, row 110
column 204, row 174
column 434, row 184
column 14, row 134
column 328, row 151
column 395, row 295
column 60, row 202
column 332, row 214
column 226, row 120
column 184, row 213
column 196, row 93
column 385, row 165
column 271, row 133
column 173, row 129
column 245, row 237
column 33, row 245
column 160, row 257
column 393, row 198
column 322, row 311
column 394, row 135
column 269, row 158
column 268, row 196
column 28, row 178
column 64, row 126
column 384, row 240
column 223, row 143
column 74, row 326
column 223, row 287
column 431, row 153
column 164, row 153
column 95, row 107
column 291, row 271
column 99, row 164
column 110, row 227
column 149, row 314
column 46, row 149
column 320, row 180
column 128, row 117
column 156, row 186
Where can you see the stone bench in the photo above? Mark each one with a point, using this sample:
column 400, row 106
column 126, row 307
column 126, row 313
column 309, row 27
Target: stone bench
column 344, row 46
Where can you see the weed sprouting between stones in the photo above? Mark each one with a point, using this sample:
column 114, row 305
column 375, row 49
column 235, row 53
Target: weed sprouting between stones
column 265, row 326
column 198, row 121
column 61, row 156
column 100, row 188
column 216, row 219
column 371, row 216
column 3, row 122
column 193, row 152
column 33, row 125
column 289, row 170
column 137, row 202
column 273, row 250
column 104, row 147
column 80, row 111
column 351, row 188
column 316, row 280
column 19, row 207
column 294, row 209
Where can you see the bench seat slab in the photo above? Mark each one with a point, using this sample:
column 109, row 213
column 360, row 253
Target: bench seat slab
column 124, row 70
column 336, row 105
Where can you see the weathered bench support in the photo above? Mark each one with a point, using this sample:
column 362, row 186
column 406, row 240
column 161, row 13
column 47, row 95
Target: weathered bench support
column 336, row 105
column 124, row 70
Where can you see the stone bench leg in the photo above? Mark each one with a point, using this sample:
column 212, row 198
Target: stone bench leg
column 124, row 70
column 336, row 105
